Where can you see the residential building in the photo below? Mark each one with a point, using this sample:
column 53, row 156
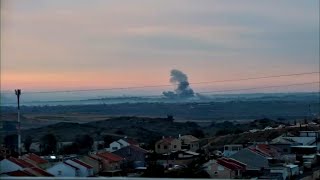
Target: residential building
column 182, row 157
column 93, row 161
column 121, row 143
column 306, row 138
column 13, row 164
column 64, row 169
column 167, row 145
column 134, row 156
column 110, row 161
column 231, row 149
column 85, row 170
column 189, row 142
column 224, row 168
column 36, row 160
column 256, row 157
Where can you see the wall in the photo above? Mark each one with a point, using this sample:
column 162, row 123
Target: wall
column 83, row 170
column 66, row 171
column 8, row 166
column 94, row 163
column 222, row 172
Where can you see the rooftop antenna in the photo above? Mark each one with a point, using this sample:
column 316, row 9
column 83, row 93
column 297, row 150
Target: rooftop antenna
column 18, row 93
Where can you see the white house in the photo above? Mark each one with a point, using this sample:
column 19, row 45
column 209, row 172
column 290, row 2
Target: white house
column 86, row 170
column 121, row 143
column 13, row 164
column 64, row 169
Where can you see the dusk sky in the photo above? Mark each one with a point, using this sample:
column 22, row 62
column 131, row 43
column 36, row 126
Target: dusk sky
column 75, row 44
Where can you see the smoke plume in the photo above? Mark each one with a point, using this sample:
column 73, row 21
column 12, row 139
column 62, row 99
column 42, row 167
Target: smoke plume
column 183, row 89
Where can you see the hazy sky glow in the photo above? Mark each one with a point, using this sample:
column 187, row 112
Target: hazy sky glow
column 65, row 44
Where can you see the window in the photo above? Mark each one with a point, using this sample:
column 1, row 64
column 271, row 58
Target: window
column 158, row 146
column 175, row 146
column 165, row 147
column 114, row 148
column 59, row 173
column 285, row 150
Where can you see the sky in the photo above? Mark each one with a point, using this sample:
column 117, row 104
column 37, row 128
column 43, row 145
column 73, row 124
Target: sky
column 77, row 44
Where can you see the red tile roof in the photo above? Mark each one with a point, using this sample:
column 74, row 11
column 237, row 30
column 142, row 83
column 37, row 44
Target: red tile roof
column 110, row 156
column 18, row 173
column 166, row 140
column 20, row 162
column 95, row 157
column 139, row 149
column 38, row 172
column 235, row 162
column 71, row 165
column 230, row 164
column 35, row 158
column 265, row 150
column 82, row 163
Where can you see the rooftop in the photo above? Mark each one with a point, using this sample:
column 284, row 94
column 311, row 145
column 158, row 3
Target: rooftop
column 35, row 158
column 20, row 162
column 82, row 163
column 110, row 156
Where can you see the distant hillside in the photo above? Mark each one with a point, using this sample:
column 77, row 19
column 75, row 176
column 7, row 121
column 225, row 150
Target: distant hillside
column 142, row 129
column 231, row 110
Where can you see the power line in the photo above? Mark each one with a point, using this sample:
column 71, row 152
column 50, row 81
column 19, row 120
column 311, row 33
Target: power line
column 265, row 87
column 161, row 96
column 167, row 85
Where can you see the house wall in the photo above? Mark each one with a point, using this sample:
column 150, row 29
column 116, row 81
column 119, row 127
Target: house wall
column 96, row 144
column 62, row 170
column 114, row 146
column 217, row 171
column 123, row 142
column 283, row 171
column 8, row 166
column 175, row 145
column 94, row 163
column 83, row 172
column 110, row 166
column 160, row 147
column 230, row 150
column 194, row 146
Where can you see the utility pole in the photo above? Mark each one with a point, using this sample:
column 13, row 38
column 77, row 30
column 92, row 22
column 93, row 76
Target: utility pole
column 18, row 93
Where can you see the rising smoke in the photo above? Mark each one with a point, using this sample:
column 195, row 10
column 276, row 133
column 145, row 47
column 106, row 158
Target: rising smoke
column 180, row 80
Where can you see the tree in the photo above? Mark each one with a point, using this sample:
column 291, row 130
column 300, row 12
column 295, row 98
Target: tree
column 11, row 141
column 197, row 133
column 70, row 149
column 107, row 140
column 48, row 144
column 27, row 143
column 84, row 142
column 119, row 132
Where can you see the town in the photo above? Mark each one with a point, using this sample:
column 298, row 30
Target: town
column 292, row 155
column 161, row 89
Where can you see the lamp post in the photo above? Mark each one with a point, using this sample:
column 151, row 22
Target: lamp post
column 18, row 93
